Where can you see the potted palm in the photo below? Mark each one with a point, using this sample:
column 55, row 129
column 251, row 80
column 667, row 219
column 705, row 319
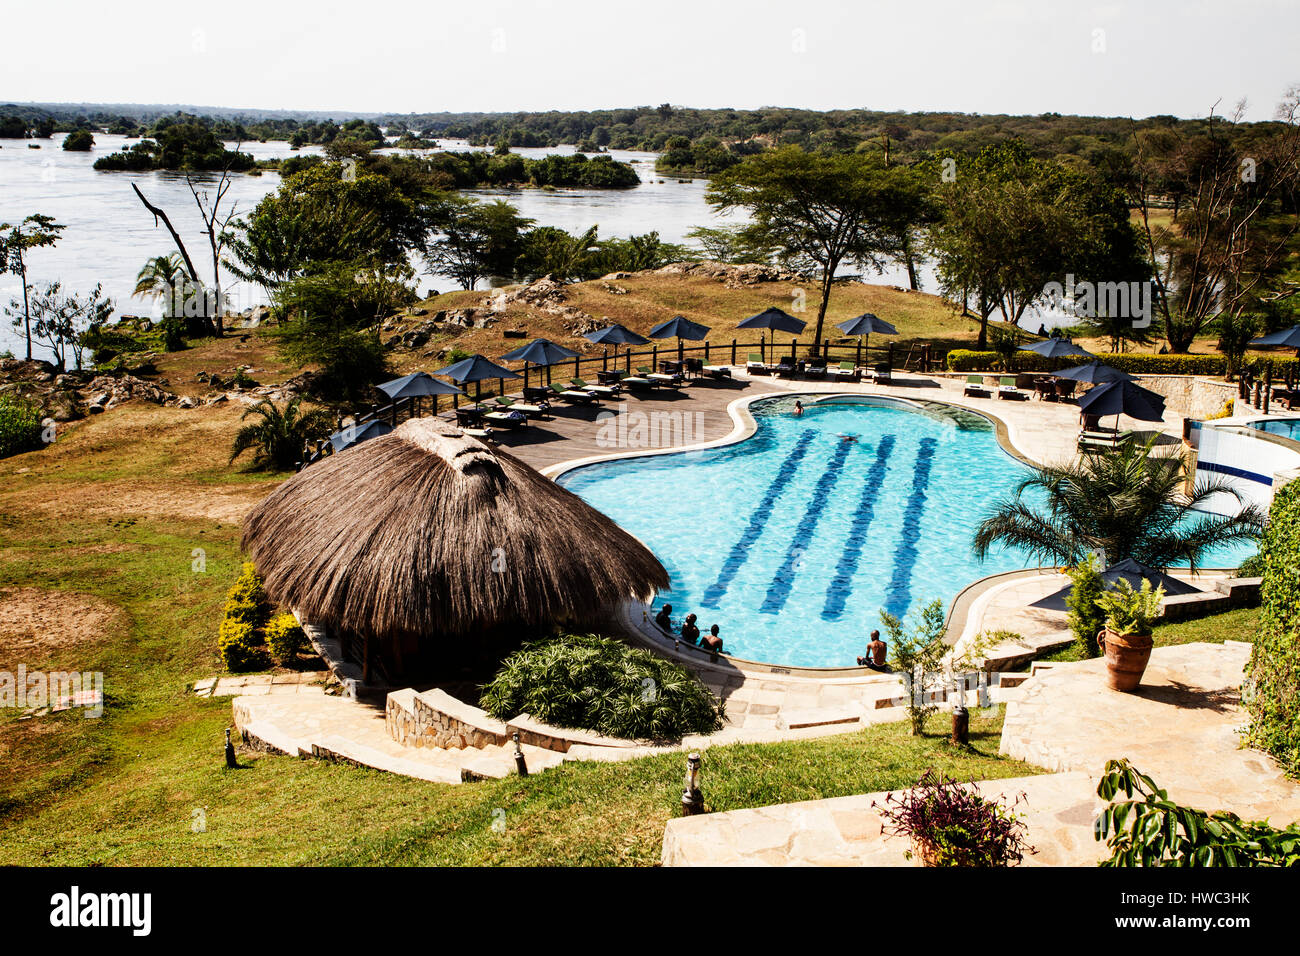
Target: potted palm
column 1126, row 638
column 951, row 824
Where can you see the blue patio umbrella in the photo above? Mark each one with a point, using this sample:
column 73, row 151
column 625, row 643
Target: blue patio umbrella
column 416, row 386
column 475, row 369
column 679, row 327
column 542, row 352
column 355, row 434
column 617, row 335
column 1056, row 348
column 1124, row 398
column 1289, row 338
column 1132, row 572
column 1094, row 373
column 863, row 325
column 774, row 319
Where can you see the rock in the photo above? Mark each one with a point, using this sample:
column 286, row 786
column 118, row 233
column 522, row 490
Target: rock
column 616, row 276
column 186, row 401
column 101, row 399
column 95, row 409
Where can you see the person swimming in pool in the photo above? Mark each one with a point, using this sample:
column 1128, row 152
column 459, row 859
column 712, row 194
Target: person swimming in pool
column 712, row 641
column 690, row 632
column 664, row 618
column 852, row 439
column 798, row 409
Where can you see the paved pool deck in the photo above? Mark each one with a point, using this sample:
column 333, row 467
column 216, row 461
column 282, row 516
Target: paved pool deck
column 1181, row 728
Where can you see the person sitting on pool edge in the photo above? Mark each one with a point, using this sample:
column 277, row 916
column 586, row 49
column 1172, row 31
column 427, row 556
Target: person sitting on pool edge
column 875, row 658
column 690, row 633
column 712, row 642
column 664, row 619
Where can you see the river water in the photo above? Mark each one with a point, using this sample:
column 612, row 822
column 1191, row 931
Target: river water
column 110, row 235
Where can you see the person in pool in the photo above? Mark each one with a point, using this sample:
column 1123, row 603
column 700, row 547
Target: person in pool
column 690, row 633
column 875, row 658
column 712, row 641
column 798, row 409
column 665, row 619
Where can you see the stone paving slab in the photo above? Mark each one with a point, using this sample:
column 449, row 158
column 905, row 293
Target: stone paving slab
column 1180, row 728
column 846, row 831
column 260, row 684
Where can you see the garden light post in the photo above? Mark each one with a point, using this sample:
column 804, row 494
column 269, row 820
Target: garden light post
column 692, row 798
column 231, row 762
column 520, row 764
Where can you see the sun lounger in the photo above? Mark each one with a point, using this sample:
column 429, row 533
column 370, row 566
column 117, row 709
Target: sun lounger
column 716, row 372
column 572, row 395
column 975, row 387
column 638, row 383
column 815, row 368
column 881, row 374
column 756, row 366
column 845, row 372
column 603, row 391
column 509, row 420
column 1007, row 388
column 785, row 368
column 482, row 434
column 661, row 379
column 531, row 410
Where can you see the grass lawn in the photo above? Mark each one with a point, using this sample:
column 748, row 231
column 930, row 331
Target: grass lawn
column 98, row 537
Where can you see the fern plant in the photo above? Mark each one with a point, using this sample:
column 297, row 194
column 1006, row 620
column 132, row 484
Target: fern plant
column 1129, row 610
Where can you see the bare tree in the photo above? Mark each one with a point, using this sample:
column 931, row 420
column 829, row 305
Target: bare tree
column 215, row 223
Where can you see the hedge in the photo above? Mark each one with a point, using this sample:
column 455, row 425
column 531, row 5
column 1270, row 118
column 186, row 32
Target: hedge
column 240, row 637
column 20, row 426
column 284, row 638
column 1273, row 691
column 965, row 360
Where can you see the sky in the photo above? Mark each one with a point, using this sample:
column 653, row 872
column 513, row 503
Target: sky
column 1127, row 58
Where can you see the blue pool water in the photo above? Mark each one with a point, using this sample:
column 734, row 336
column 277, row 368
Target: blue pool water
column 794, row 539
column 1286, row 427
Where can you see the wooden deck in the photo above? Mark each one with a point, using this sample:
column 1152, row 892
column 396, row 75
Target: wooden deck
column 571, row 431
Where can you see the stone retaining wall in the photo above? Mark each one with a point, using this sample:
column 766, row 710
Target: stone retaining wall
column 436, row 719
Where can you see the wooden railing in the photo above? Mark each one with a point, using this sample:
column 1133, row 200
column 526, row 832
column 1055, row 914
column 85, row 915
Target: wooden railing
column 919, row 357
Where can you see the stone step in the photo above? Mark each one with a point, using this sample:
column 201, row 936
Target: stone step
column 794, row 719
column 495, row 762
column 339, row 748
column 266, row 736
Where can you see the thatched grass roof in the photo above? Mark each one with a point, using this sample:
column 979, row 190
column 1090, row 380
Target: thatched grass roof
column 428, row 533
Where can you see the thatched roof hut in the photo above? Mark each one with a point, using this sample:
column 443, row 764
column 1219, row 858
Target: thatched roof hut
column 424, row 541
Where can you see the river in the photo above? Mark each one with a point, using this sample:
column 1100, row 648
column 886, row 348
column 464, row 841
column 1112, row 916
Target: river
column 110, row 235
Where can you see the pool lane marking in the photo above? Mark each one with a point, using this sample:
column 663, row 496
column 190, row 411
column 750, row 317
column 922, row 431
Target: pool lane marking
column 739, row 553
column 898, row 595
column 841, row 586
column 778, row 592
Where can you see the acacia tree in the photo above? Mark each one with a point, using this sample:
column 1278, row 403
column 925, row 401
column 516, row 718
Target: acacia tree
column 1010, row 224
column 34, row 232
column 1236, row 219
column 475, row 240
column 821, row 211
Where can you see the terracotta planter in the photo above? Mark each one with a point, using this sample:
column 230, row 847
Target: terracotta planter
column 925, row 853
column 1126, row 658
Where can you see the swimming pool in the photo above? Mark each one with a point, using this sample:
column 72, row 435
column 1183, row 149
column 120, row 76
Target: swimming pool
column 1286, row 427
column 794, row 539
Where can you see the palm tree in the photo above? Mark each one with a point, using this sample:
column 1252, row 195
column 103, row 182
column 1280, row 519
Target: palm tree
column 279, row 438
column 1128, row 502
column 159, row 279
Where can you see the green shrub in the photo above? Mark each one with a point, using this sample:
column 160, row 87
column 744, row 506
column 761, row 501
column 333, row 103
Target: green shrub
column 599, row 684
column 1084, row 616
column 20, row 426
column 246, row 601
column 1252, row 567
column 1149, row 829
column 284, row 638
column 237, row 642
column 1272, row 693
